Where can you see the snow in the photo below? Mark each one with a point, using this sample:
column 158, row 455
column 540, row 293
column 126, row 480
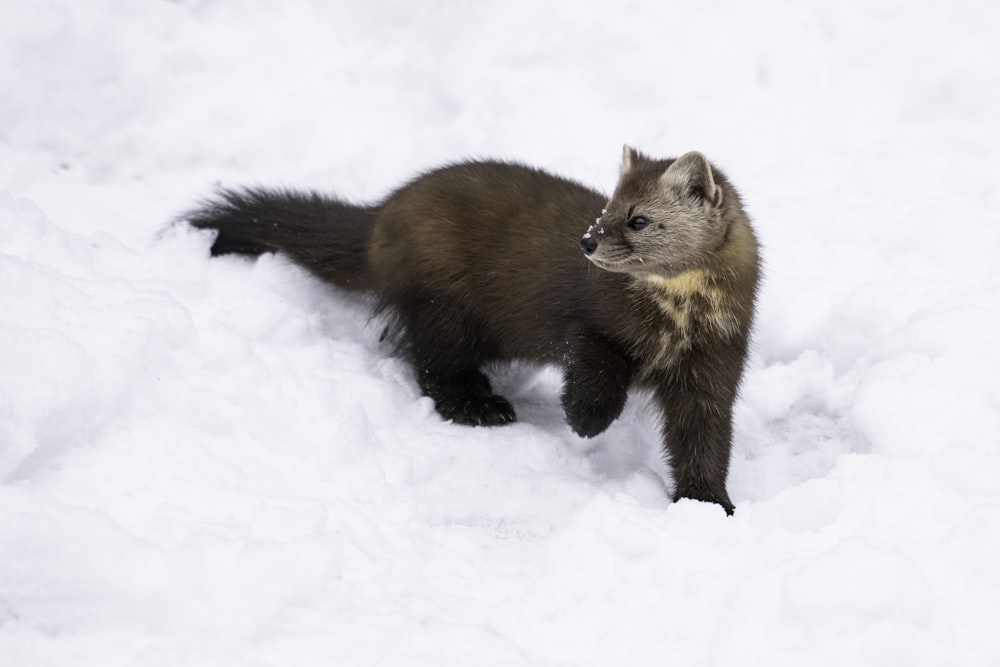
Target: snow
column 215, row 462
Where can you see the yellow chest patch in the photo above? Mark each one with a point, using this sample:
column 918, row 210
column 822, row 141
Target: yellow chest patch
column 690, row 300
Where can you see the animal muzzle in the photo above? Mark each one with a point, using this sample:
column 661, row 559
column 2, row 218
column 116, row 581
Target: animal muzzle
column 588, row 244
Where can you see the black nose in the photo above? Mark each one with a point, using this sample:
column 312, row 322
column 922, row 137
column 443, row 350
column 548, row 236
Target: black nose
column 588, row 244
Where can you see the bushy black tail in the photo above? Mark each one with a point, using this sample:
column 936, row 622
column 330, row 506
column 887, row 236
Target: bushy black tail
column 327, row 236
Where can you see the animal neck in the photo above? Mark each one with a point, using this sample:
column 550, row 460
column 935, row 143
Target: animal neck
column 683, row 285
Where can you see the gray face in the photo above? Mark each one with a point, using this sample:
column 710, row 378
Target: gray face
column 658, row 222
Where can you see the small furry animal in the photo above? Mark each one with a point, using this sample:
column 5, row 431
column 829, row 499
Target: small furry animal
column 480, row 262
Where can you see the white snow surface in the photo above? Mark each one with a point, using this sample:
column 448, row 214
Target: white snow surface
column 215, row 461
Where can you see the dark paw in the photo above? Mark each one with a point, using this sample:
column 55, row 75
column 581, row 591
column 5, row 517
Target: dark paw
column 592, row 406
column 705, row 494
column 476, row 410
column 589, row 422
column 588, row 418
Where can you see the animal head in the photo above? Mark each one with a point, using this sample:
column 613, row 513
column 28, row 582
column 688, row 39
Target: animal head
column 665, row 217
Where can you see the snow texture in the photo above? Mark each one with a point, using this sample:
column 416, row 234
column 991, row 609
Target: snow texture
column 215, row 462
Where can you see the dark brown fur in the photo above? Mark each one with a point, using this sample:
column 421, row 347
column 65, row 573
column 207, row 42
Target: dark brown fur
column 480, row 262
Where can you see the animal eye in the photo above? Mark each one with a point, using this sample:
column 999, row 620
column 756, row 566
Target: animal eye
column 638, row 222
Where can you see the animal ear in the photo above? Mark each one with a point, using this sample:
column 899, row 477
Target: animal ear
column 630, row 157
column 692, row 173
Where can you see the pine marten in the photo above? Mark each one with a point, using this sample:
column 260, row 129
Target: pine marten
column 483, row 262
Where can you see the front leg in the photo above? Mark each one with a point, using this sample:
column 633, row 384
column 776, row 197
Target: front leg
column 697, row 400
column 595, row 383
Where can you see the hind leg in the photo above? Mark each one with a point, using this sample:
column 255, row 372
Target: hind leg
column 447, row 350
